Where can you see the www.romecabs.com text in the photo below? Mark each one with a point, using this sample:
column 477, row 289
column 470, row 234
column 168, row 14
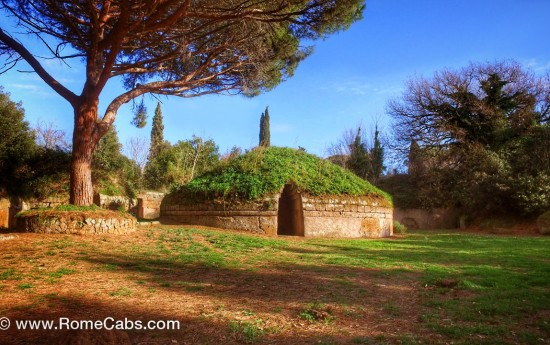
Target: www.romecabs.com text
column 108, row 323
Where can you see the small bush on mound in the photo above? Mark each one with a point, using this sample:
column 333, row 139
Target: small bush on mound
column 70, row 219
column 264, row 171
column 399, row 228
column 544, row 223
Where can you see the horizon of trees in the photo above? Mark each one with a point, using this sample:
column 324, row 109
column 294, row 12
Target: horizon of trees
column 493, row 156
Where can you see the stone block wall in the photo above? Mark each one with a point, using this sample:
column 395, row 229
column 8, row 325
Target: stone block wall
column 149, row 204
column 115, row 202
column 49, row 202
column 346, row 216
column 73, row 223
column 4, row 213
column 256, row 216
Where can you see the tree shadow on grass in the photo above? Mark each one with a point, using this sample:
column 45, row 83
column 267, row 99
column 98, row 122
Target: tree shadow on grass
column 192, row 329
column 273, row 284
column 451, row 249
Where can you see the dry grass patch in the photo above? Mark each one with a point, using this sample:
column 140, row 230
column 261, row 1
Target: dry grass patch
column 233, row 288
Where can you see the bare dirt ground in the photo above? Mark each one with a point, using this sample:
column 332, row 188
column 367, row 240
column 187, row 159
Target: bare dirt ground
column 224, row 289
column 91, row 278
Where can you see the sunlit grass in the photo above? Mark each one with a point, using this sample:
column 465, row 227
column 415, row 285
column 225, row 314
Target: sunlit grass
column 472, row 288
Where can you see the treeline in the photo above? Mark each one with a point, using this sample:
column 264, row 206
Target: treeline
column 35, row 162
column 477, row 139
column 28, row 169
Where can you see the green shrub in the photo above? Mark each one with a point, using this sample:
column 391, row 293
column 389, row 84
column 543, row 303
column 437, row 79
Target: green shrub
column 399, row 228
column 315, row 312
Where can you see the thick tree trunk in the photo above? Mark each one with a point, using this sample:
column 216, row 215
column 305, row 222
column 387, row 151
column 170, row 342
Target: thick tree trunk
column 85, row 139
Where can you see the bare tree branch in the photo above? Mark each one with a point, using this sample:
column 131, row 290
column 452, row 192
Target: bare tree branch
column 27, row 56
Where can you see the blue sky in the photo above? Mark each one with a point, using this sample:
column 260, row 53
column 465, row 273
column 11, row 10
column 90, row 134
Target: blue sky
column 347, row 81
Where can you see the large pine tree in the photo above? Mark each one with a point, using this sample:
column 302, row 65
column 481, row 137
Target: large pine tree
column 175, row 47
column 157, row 134
column 265, row 135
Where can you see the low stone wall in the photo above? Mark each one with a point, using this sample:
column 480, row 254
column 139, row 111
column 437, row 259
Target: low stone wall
column 81, row 223
column 256, row 216
column 116, row 202
column 16, row 205
column 437, row 218
column 346, row 216
column 4, row 213
column 49, row 202
column 149, row 205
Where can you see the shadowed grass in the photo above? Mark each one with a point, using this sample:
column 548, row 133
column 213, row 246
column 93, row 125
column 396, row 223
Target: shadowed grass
column 464, row 288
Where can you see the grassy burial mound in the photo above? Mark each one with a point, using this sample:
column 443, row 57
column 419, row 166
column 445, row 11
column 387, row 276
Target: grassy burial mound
column 282, row 191
column 264, row 171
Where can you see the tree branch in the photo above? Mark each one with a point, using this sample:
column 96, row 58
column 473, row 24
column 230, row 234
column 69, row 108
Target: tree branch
column 31, row 60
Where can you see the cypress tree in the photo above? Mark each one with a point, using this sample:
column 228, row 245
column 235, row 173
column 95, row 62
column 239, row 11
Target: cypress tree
column 265, row 135
column 157, row 134
column 359, row 158
column 377, row 157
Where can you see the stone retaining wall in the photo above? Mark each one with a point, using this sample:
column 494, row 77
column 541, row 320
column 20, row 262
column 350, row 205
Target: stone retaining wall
column 343, row 216
column 256, row 216
column 149, row 204
column 75, row 223
column 346, row 216
column 116, row 202
column 48, row 202
column 437, row 218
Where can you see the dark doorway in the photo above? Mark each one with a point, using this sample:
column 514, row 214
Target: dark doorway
column 290, row 219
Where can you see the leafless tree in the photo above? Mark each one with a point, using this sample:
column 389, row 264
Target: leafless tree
column 340, row 150
column 137, row 149
column 49, row 136
column 461, row 106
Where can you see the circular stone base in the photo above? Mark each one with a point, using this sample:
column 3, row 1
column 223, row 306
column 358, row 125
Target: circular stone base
column 96, row 222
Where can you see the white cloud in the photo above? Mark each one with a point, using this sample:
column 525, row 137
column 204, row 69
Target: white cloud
column 35, row 89
column 281, row 128
column 359, row 88
column 537, row 66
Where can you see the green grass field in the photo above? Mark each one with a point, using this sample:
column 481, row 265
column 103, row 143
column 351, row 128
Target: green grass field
column 424, row 288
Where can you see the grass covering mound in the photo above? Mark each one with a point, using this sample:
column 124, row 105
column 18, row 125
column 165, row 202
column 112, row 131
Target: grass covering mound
column 72, row 211
column 264, row 171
